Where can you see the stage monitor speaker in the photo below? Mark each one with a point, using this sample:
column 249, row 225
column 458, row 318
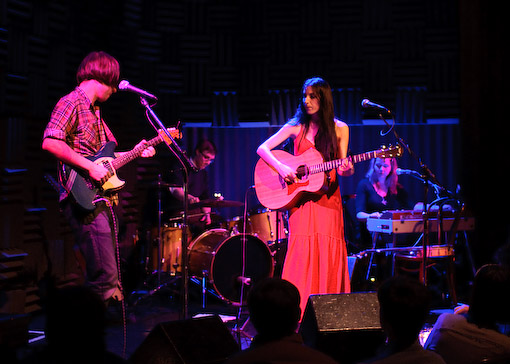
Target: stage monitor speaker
column 204, row 340
column 344, row 326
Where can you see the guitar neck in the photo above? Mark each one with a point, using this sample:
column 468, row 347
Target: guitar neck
column 329, row 165
column 127, row 157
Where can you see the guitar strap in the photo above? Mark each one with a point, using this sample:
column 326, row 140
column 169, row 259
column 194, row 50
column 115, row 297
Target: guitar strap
column 70, row 181
column 105, row 134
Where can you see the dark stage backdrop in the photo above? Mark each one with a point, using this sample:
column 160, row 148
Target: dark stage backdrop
column 438, row 65
column 232, row 171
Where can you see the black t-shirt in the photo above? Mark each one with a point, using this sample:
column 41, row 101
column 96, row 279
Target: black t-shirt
column 368, row 200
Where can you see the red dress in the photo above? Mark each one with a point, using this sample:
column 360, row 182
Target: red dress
column 316, row 260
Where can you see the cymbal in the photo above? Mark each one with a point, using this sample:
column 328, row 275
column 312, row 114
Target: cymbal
column 163, row 184
column 190, row 216
column 216, row 203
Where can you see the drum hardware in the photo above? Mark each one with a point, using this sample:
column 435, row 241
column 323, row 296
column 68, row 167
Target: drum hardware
column 268, row 225
column 167, row 254
column 187, row 166
column 205, row 276
column 160, row 183
column 218, row 257
column 179, row 218
column 273, row 232
column 157, row 268
column 216, row 203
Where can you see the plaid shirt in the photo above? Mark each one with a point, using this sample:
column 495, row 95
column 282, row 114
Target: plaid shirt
column 78, row 123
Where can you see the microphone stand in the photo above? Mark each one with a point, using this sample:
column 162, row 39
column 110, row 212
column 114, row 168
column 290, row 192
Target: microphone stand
column 428, row 177
column 187, row 165
column 160, row 237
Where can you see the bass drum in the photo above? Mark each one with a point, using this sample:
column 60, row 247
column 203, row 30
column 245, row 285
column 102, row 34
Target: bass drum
column 219, row 256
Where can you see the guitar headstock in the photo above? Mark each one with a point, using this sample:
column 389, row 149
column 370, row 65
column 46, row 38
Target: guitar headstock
column 390, row 151
column 175, row 133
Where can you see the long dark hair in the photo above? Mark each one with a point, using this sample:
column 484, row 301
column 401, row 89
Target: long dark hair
column 326, row 138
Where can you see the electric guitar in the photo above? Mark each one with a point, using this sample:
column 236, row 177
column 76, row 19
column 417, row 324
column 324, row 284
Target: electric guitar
column 275, row 193
column 85, row 191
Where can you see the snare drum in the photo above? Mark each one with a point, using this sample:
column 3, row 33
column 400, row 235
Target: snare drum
column 219, row 256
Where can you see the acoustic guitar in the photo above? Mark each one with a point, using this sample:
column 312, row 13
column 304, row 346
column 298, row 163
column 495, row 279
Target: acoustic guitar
column 275, row 193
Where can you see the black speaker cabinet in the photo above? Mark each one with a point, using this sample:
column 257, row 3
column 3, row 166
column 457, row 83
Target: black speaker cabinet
column 203, row 340
column 344, row 326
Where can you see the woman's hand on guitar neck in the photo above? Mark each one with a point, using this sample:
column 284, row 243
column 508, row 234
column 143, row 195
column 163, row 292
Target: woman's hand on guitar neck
column 346, row 167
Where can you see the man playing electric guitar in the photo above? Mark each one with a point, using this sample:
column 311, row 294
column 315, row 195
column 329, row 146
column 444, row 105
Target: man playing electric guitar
column 77, row 131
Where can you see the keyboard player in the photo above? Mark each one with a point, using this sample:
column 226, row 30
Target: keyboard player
column 378, row 191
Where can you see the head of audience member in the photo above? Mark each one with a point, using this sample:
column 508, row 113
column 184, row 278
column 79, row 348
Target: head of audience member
column 205, row 152
column 404, row 306
column 274, row 308
column 488, row 304
column 502, row 255
column 75, row 321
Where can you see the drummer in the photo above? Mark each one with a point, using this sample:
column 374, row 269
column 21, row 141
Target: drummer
column 200, row 219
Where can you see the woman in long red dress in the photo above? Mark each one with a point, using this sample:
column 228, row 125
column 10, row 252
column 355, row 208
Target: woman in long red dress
column 316, row 260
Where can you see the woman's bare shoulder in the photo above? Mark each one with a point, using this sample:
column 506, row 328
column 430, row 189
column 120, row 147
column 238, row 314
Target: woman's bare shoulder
column 340, row 124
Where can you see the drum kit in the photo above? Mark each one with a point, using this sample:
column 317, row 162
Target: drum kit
column 228, row 259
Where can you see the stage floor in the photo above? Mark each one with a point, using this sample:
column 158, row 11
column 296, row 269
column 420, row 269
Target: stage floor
column 124, row 336
column 128, row 326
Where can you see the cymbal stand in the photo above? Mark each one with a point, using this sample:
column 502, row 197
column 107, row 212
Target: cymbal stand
column 242, row 278
column 187, row 165
column 159, row 251
column 160, row 237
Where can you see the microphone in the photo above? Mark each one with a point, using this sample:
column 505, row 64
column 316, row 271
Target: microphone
column 401, row 171
column 367, row 104
column 125, row 86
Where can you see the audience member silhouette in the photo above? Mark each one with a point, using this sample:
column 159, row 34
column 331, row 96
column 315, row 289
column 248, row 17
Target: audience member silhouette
column 475, row 337
column 274, row 309
column 502, row 255
column 404, row 306
column 75, row 329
